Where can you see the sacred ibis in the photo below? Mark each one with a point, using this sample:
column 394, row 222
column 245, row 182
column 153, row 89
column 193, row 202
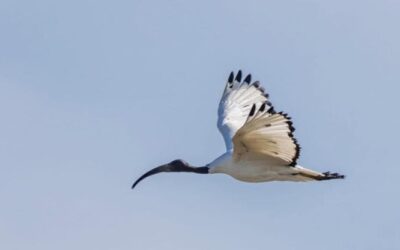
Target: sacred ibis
column 260, row 145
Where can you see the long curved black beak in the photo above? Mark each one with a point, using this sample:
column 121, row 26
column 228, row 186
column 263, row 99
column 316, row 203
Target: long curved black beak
column 160, row 169
column 171, row 168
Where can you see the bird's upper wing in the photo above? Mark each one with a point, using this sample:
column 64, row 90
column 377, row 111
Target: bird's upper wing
column 235, row 105
column 267, row 134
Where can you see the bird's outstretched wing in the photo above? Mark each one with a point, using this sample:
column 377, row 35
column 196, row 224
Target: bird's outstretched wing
column 268, row 134
column 236, row 102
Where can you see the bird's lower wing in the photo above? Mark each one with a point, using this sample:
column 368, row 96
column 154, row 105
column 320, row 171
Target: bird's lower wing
column 267, row 134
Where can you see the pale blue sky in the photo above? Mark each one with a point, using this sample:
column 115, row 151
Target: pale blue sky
column 95, row 93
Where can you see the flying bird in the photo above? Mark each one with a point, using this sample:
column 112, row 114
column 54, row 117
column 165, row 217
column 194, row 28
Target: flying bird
column 260, row 145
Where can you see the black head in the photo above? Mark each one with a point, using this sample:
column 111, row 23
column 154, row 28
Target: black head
column 178, row 163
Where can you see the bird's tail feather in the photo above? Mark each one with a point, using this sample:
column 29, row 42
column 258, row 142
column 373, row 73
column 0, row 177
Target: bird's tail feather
column 308, row 174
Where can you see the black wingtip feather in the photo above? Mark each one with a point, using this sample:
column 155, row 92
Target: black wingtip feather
column 238, row 77
column 247, row 79
column 253, row 110
column 256, row 84
column 231, row 76
column 262, row 108
column 271, row 110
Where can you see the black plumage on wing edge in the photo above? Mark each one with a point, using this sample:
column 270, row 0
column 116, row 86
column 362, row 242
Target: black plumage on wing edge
column 230, row 78
column 247, row 80
column 294, row 140
column 288, row 121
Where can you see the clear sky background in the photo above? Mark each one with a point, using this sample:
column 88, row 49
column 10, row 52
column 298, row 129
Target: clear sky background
column 95, row 93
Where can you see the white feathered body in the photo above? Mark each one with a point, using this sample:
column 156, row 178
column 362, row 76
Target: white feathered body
column 258, row 169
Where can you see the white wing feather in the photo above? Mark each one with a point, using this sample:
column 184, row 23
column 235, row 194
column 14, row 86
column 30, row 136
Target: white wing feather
column 235, row 105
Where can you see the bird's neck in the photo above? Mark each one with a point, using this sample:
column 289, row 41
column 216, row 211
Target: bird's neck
column 187, row 168
column 200, row 170
column 220, row 164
